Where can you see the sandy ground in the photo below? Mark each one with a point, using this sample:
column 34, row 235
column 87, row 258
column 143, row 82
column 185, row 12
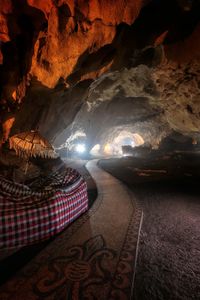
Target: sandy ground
column 169, row 249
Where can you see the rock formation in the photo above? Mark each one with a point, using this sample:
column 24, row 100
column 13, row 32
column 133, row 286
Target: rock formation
column 67, row 66
column 50, row 40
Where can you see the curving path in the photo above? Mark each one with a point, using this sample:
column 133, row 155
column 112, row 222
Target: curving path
column 93, row 258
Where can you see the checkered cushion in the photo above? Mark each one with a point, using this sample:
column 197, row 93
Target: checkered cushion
column 29, row 214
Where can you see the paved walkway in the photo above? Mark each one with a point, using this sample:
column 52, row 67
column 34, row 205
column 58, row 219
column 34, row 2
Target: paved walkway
column 93, row 258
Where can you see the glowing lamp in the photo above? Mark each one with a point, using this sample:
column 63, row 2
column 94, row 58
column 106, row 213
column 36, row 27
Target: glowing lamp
column 80, row 148
column 107, row 149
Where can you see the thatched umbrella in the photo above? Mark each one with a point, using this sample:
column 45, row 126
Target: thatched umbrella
column 31, row 144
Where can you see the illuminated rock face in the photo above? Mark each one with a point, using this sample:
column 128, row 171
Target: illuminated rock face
column 119, row 101
column 76, row 30
column 152, row 101
column 63, row 48
column 49, row 40
column 64, row 31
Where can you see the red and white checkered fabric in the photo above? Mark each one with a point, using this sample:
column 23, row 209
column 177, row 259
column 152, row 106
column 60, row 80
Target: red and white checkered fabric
column 29, row 214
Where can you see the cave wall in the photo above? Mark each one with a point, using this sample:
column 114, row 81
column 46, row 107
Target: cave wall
column 76, row 29
column 51, row 53
column 49, row 40
column 155, row 95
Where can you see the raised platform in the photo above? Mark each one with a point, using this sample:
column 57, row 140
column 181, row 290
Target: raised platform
column 32, row 213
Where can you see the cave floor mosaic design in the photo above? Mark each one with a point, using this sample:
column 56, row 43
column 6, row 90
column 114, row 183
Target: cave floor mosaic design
column 94, row 258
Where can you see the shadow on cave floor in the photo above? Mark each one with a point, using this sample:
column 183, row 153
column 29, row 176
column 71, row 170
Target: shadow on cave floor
column 167, row 188
column 12, row 261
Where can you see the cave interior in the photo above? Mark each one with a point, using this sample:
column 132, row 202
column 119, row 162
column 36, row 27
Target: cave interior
column 117, row 81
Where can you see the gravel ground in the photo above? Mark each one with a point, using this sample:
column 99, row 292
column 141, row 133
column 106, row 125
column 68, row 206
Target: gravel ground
column 169, row 250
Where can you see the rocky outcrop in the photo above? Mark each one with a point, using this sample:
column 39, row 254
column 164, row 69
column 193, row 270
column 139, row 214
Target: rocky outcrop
column 185, row 51
column 152, row 101
column 120, row 100
column 76, row 29
column 62, row 48
column 179, row 93
column 50, row 40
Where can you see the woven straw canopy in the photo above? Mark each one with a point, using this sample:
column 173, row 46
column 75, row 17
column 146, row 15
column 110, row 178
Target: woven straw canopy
column 31, row 143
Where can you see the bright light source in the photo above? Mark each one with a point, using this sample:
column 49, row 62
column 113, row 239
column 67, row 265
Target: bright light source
column 80, row 148
column 125, row 154
column 108, row 149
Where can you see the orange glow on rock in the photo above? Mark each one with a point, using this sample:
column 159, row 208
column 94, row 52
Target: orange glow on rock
column 44, row 5
column 6, row 126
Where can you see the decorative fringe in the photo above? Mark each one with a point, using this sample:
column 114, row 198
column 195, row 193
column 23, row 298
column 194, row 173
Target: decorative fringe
column 31, row 144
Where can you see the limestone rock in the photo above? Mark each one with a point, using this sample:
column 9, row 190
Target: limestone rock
column 123, row 64
column 49, row 40
column 75, row 30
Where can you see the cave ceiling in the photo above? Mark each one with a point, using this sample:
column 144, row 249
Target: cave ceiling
column 92, row 69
